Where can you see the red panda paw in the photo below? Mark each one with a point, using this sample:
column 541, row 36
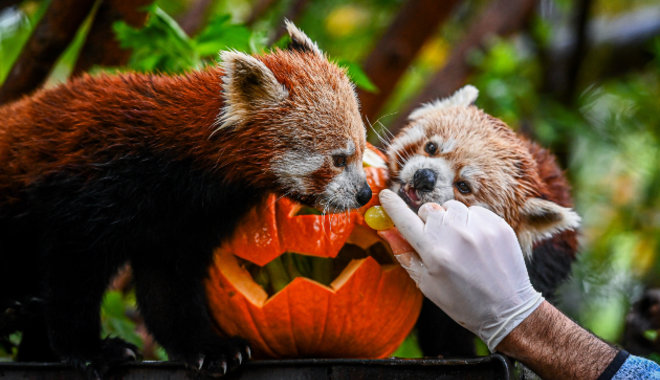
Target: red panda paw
column 222, row 357
column 112, row 352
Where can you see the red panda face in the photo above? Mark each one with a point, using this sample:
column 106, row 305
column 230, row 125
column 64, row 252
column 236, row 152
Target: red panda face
column 305, row 122
column 452, row 150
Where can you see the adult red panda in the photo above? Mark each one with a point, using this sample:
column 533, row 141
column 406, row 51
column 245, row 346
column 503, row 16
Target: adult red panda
column 156, row 171
column 450, row 149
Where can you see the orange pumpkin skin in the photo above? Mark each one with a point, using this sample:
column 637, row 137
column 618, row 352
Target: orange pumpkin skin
column 366, row 312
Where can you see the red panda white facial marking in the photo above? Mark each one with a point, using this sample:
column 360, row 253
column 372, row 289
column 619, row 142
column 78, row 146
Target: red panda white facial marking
column 349, row 187
column 305, row 110
column 452, row 150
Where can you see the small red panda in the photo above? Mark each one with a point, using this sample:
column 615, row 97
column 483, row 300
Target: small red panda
column 450, row 149
column 156, row 171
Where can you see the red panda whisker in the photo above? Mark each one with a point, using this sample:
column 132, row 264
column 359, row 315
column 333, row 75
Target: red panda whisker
column 385, row 140
column 379, row 122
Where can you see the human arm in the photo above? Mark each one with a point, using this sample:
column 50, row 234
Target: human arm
column 460, row 255
column 554, row 346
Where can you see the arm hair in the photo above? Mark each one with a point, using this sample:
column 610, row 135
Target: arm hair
column 555, row 347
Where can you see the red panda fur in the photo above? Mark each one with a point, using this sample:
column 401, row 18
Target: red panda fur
column 156, row 171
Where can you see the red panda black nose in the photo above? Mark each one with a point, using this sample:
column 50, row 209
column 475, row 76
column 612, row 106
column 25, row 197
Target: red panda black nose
column 424, row 180
column 364, row 195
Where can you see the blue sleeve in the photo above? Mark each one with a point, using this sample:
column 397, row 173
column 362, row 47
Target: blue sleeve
column 638, row 368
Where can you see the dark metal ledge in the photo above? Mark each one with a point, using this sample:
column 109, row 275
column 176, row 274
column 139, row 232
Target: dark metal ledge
column 488, row 367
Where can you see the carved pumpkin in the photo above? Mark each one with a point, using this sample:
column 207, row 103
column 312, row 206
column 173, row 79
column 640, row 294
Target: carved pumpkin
column 357, row 303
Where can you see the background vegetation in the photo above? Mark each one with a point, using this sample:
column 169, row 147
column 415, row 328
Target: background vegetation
column 581, row 77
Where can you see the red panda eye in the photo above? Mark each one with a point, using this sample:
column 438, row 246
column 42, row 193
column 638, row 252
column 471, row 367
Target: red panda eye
column 339, row 160
column 430, row 148
column 463, row 187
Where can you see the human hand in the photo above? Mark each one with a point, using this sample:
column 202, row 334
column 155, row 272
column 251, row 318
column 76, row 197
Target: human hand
column 469, row 263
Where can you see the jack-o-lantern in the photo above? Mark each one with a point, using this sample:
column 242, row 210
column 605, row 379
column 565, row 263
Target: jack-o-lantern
column 296, row 284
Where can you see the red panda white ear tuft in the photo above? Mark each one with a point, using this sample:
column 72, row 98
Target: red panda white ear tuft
column 247, row 85
column 463, row 97
column 299, row 40
column 541, row 219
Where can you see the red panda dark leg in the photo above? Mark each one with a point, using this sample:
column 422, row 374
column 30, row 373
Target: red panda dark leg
column 72, row 309
column 171, row 296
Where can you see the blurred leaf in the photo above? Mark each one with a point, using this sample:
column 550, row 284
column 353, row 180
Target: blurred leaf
column 15, row 338
column 161, row 45
column 220, row 34
column 16, row 25
column 651, row 335
column 357, row 75
column 655, row 357
column 345, row 20
column 480, row 347
column 114, row 319
column 409, row 348
column 161, row 354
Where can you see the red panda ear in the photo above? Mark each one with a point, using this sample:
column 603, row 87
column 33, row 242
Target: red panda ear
column 463, row 97
column 247, row 84
column 300, row 42
column 540, row 219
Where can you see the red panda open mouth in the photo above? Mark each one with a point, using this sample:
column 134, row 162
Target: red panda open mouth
column 410, row 196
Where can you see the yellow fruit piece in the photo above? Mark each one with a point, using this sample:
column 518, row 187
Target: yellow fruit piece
column 377, row 218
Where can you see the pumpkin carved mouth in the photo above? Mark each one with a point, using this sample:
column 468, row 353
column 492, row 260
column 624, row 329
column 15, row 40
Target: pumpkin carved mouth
column 312, row 285
column 278, row 273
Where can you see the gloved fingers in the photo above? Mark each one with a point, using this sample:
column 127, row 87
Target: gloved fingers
column 433, row 216
column 486, row 215
column 496, row 225
column 397, row 243
column 428, row 208
column 457, row 213
column 413, row 265
column 405, row 219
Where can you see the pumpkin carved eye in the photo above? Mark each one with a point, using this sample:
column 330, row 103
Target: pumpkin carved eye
column 431, row 148
column 463, row 187
column 339, row 160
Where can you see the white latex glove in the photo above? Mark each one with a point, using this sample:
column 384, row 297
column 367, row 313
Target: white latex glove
column 469, row 264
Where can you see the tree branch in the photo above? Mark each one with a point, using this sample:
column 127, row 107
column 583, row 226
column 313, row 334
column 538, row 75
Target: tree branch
column 415, row 22
column 48, row 40
column 502, row 17
column 195, row 17
column 258, row 10
column 101, row 47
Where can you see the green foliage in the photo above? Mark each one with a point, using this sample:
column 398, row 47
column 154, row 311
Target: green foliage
column 507, row 81
column 221, row 34
column 160, row 45
column 115, row 320
column 409, row 348
column 15, row 27
column 357, row 75
column 655, row 357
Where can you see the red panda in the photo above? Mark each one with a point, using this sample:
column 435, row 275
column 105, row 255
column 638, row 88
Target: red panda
column 156, row 171
column 450, row 149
